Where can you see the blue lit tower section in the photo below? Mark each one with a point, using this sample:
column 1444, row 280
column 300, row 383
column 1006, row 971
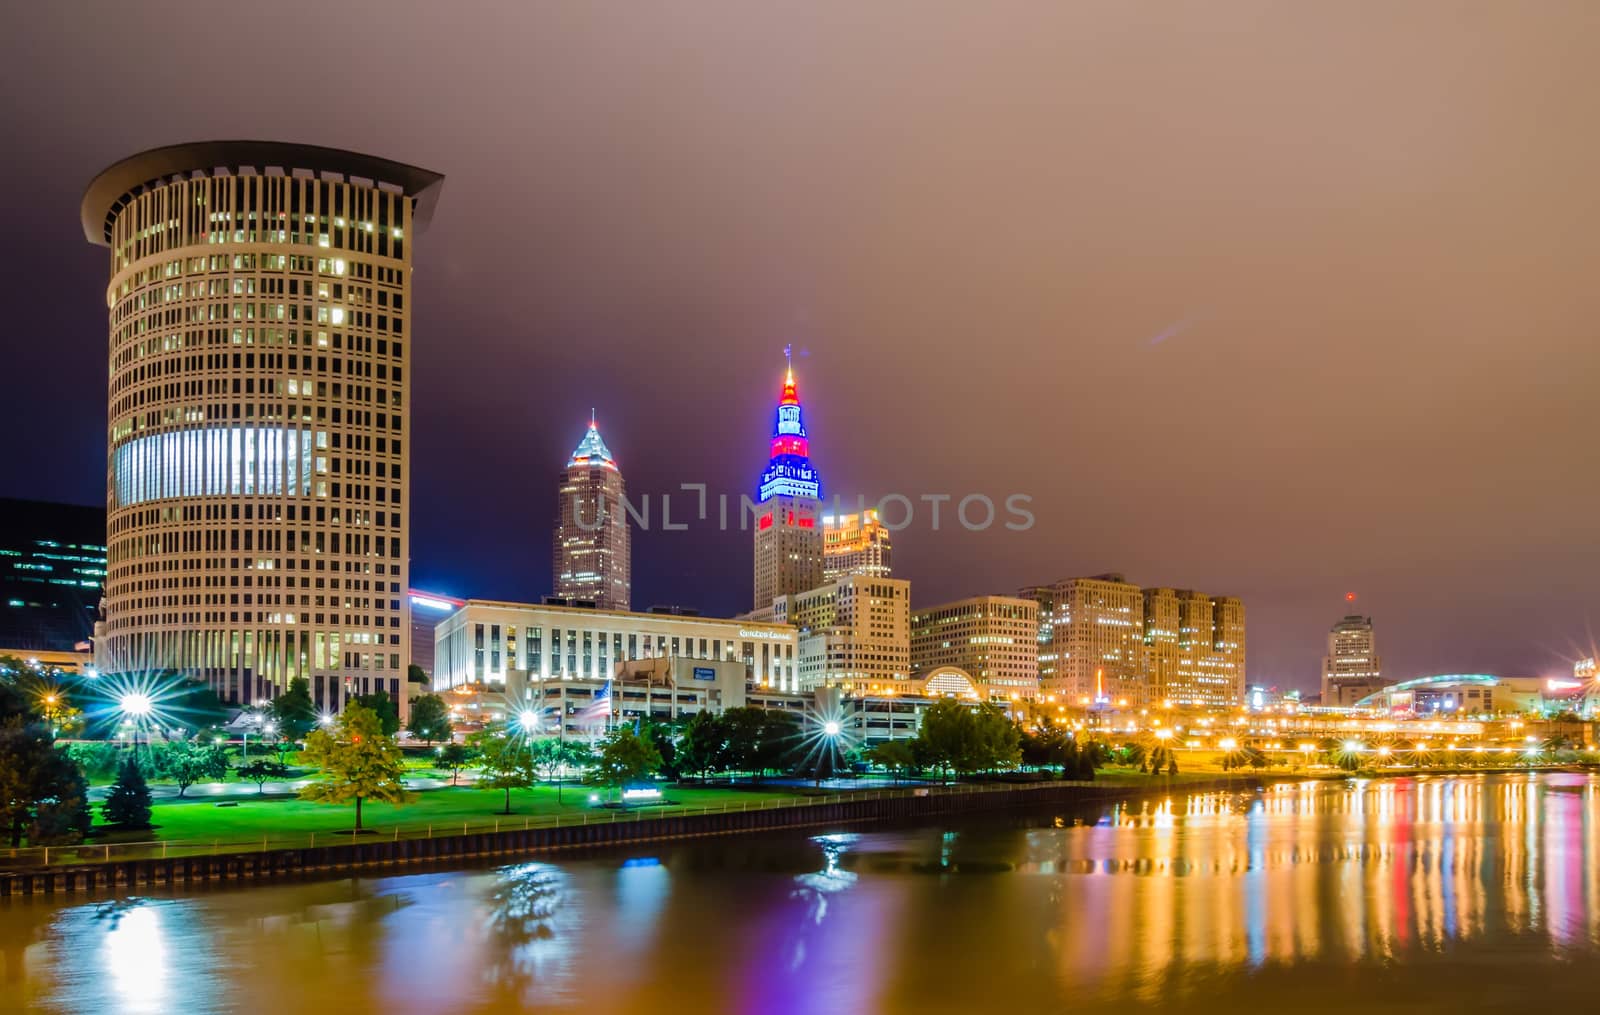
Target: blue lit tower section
column 788, row 532
column 591, row 554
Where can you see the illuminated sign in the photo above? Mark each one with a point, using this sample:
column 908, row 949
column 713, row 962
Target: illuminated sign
column 641, row 795
column 704, row 673
column 431, row 603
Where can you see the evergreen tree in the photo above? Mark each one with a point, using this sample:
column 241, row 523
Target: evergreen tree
column 127, row 806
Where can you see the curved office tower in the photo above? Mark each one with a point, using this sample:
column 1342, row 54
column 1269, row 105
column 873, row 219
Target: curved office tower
column 258, row 398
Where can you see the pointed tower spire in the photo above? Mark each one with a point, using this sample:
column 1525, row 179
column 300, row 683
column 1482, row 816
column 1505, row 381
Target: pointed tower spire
column 789, row 468
column 592, row 450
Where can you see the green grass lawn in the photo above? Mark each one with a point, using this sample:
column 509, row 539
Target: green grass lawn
column 282, row 818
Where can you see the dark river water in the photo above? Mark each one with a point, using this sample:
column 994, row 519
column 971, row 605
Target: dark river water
column 1441, row 894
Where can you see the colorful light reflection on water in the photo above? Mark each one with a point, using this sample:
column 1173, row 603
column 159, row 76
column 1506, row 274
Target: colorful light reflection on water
column 1442, row 892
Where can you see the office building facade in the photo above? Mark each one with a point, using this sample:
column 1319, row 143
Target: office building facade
column 1352, row 668
column 994, row 639
column 591, row 555
column 258, row 459
column 52, row 572
column 498, row 645
column 1107, row 643
column 855, row 634
column 1194, row 648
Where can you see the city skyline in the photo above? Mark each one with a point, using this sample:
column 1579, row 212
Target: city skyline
column 1470, row 457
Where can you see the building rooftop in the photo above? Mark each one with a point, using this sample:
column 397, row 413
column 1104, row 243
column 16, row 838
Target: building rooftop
column 119, row 183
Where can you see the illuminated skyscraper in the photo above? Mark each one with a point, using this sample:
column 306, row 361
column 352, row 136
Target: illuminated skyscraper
column 855, row 544
column 591, row 554
column 1351, row 670
column 258, row 403
column 788, row 530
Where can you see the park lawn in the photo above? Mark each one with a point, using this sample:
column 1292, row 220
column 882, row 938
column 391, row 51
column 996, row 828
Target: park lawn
column 283, row 818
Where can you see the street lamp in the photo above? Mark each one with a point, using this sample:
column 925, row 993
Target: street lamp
column 135, row 707
column 528, row 719
column 831, row 728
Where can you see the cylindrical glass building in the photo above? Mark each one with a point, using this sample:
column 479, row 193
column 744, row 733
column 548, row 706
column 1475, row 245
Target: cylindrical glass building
column 257, row 406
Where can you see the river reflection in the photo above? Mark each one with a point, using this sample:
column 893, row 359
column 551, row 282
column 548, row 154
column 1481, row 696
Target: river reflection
column 1429, row 894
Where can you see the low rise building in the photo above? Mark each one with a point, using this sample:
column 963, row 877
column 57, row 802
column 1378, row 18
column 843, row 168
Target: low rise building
column 497, row 644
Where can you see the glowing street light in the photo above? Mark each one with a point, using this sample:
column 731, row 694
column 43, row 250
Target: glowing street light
column 135, row 704
column 831, row 728
column 1227, row 743
column 528, row 720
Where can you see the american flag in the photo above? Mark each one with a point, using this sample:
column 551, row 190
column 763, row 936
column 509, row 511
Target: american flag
column 597, row 711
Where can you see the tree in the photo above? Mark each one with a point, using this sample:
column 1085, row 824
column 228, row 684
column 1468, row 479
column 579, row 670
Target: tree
column 1085, row 759
column 778, row 741
column 187, row 763
column 417, row 675
column 741, row 734
column 63, row 818
column 625, row 757
column 42, row 791
column 97, row 759
column 128, row 803
column 660, row 736
column 700, row 745
column 384, row 707
column 357, row 761
column 293, row 710
column 549, row 754
column 996, row 739
column 950, row 737
column 1162, row 758
column 430, row 718
column 504, row 762
column 453, row 757
column 263, row 770
column 897, row 756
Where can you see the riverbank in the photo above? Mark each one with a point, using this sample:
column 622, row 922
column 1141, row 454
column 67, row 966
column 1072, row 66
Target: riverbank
column 336, row 853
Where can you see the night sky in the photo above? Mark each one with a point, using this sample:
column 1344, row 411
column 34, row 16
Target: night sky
column 1272, row 300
